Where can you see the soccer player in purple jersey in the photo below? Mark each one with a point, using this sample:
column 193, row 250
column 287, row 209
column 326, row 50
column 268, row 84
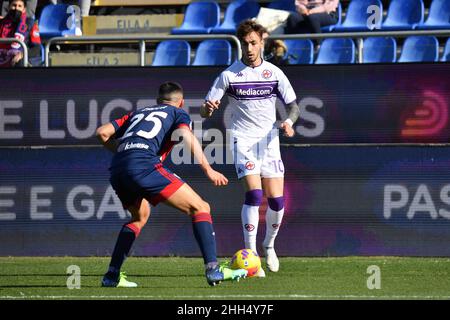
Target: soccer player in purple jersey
column 141, row 140
column 253, row 86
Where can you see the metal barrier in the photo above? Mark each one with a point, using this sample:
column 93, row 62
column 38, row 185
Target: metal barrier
column 24, row 46
column 142, row 40
column 139, row 39
column 360, row 35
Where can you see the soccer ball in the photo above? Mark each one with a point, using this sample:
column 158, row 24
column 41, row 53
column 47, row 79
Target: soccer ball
column 246, row 259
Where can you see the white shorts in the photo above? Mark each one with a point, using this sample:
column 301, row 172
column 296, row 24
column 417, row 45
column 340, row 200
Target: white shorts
column 258, row 156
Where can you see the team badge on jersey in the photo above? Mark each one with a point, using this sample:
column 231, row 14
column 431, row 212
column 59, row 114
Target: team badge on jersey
column 249, row 227
column 250, row 165
column 266, row 74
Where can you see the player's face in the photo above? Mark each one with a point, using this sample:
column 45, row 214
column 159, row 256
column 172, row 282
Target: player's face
column 252, row 45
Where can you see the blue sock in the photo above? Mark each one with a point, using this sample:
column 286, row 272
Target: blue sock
column 125, row 240
column 204, row 234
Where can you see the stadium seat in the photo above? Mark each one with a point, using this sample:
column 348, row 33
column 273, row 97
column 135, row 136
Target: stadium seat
column 54, row 20
column 420, row 49
column 336, row 50
column 237, row 11
column 438, row 16
column 357, row 16
column 172, row 53
column 446, row 55
column 339, row 13
column 404, row 15
column 288, row 5
column 300, row 51
column 379, row 50
column 213, row 52
column 199, row 18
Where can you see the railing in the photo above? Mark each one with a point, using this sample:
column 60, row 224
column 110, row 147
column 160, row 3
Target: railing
column 139, row 39
column 361, row 35
column 23, row 45
column 142, row 40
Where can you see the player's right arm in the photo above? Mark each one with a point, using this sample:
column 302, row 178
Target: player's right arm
column 214, row 95
column 196, row 149
column 105, row 134
column 207, row 109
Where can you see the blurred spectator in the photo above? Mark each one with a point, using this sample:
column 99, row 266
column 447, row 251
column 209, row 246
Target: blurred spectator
column 311, row 15
column 30, row 4
column 275, row 51
column 17, row 25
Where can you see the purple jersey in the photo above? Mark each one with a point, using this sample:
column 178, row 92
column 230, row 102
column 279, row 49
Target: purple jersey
column 145, row 136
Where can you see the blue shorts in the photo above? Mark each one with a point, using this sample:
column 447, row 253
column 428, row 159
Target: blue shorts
column 156, row 185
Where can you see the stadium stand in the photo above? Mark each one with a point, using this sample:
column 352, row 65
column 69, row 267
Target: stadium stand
column 53, row 21
column 172, row 53
column 404, row 15
column 420, row 49
column 379, row 50
column 236, row 12
column 336, row 50
column 200, row 18
column 300, row 51
column 213, row 52
column 339, row 22
column 357, row 16
column 438, row 16
column 288, row 5
column 446, row 54
column 161, row 17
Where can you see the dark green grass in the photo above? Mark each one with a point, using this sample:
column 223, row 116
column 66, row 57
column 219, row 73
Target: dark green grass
column 182, row 278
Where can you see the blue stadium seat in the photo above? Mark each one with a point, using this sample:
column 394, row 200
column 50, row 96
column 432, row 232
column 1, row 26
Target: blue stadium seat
column 199, row 18
column 357, row 16
column 336, row 50
column 237, row 11
column 300, row 51
column 404, row 15
column 338, row 23
column 172, row 53
column 438, row 16
column 420, row 49
column 446, row 55
column 379, row 50
column 288, row 5
column 213, row 53
column 54, row 21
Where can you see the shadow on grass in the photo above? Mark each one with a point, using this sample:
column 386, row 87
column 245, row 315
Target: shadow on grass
column 102, row 274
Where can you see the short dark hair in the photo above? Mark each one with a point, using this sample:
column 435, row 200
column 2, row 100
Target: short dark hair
column 167, row 90
column 248, row 26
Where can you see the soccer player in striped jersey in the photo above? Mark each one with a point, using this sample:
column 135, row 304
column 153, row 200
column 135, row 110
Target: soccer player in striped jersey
column 252, row 86
column 141, row 140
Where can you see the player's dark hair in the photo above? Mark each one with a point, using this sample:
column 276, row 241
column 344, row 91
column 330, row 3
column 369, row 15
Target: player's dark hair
column 248, row 26
column 167, row 90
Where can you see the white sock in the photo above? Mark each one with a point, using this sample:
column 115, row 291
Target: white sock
column 273, row 222
column 250, row 219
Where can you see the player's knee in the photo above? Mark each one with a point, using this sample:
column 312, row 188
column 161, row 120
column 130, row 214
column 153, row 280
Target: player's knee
column 254, row 197
column 276, row 204
column 200, row 206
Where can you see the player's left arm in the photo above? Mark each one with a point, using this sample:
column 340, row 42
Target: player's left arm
column 289, row 98
column 194, row 146
column 105, row 134
column 293, row 114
